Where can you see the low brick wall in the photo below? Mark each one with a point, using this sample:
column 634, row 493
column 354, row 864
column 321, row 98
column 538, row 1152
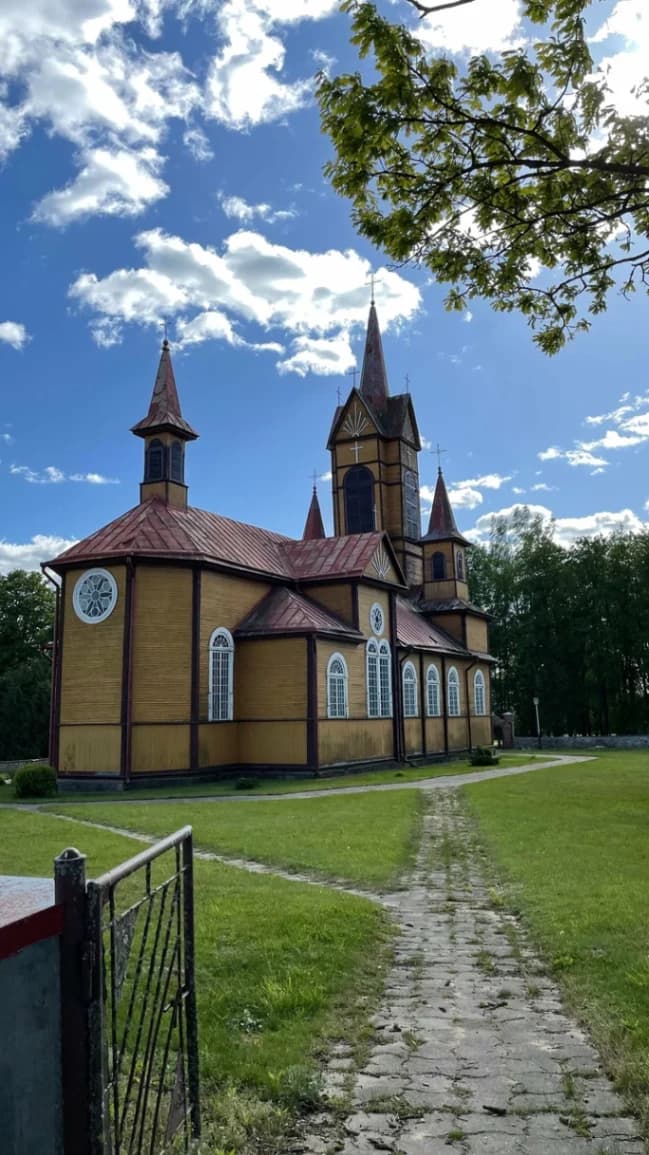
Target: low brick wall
column 585, row 741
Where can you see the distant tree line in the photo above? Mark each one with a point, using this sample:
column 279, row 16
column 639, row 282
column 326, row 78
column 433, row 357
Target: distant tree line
column 570, row 625
column 26, row 625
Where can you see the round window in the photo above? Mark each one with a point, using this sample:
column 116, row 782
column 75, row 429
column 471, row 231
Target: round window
column 95, row 595
column 376, row 619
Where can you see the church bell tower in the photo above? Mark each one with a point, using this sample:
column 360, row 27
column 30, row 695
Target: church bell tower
column 164, row 431
column 374, row 442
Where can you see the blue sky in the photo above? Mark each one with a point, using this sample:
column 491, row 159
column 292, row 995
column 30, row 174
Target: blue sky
column 162, row 159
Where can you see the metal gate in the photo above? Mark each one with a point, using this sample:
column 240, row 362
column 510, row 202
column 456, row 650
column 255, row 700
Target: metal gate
column 135, row 969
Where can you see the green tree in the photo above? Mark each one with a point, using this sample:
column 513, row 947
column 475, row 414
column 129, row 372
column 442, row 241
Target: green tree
column 488, row 173
column 26, row 624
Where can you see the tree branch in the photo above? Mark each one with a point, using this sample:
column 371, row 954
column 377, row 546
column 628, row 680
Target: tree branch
column 428, row 9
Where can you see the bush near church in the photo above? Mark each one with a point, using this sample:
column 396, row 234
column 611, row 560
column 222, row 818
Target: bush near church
column 484, row 756
column 34, row 782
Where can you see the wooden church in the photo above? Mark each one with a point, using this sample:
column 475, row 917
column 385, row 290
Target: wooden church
column 190, row 644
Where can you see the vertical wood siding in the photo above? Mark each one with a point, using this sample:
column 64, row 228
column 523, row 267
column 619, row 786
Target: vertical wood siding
column 90, row 749
column 162, row 645
column 91, row 671
column 160, row 748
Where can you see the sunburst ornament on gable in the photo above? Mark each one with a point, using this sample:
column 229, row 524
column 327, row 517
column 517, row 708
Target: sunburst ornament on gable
column 381, row 562
column 355, row 422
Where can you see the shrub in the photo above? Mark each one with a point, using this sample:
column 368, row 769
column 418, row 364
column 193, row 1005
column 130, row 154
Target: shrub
column 246, row 784
column 484, row 756
column 34, row 782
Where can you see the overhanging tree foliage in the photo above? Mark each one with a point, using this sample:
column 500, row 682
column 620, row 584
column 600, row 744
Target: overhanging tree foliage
column 569, row 625
column 26, row 621
column 488, row 173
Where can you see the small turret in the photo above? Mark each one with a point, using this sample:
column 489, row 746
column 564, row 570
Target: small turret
column 165, row 432
column 314, row 527
column 444, row 547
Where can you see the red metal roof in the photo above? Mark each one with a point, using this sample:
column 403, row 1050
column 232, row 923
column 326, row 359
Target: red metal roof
column 413, row 629
column 164, row 410
column 442, row 524
column 155, row 529
column 285, row 611
column 314, row 528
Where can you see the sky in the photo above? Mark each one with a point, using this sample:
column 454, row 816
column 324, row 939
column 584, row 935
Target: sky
column 161, row 161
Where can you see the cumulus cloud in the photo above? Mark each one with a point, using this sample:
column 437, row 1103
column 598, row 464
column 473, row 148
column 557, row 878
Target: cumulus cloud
column 29, row 555
column 626, row 67
column 315, row 299
column 489, row 28
column 238, row 208
column 567, row 530
column 197, row 141
column 575, row 457
column 52, row 475
column 13, row 333
column 111, row 183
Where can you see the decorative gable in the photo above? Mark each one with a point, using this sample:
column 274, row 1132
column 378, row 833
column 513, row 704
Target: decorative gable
column 382, row 566
column 353, row 420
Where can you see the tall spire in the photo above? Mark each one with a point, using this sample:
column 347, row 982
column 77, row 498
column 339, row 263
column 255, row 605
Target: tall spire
column 442, row 522
column 164, row 410
column 374, row 379
column 314, row 528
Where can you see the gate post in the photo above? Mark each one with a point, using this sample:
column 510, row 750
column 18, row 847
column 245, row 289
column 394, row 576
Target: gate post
column 70, row 893
column 190, row 979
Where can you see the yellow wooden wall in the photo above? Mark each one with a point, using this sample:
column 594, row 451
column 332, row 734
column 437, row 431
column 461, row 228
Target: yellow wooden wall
column 354, row 656
column 218, row 743
column 367, row 595
column 350, row 741
column 277, row 743
column 159, row 748
column 477, row 634
column 337, row 598
column 270, row 679
column 225, row 601
column 91, row 669
column 162, row 648
column 434, row 735
column 458, row 738
column 90, row 749
column 413, row 735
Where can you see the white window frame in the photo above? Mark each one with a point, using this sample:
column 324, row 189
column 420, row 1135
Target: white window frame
column 332, row 711
column 221, row 632
column 479, row 690
column 433, row 708
column 385, row 680
column 409, row 689
column 372, row 661
column 453, row 679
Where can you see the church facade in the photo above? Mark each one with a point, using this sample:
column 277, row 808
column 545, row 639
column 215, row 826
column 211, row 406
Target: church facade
column 190, row 644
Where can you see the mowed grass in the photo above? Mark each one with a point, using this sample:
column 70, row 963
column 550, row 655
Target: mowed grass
column 362, row 838
column 271, row 785
column 283, row 969
column 574, row 846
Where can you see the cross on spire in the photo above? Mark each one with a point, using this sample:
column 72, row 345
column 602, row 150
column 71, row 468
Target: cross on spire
column 407, row 382
column 438, row 451
column 373, row 281
column 339, row 395
column 315, row 478
column 164, row 330
column 353, row 373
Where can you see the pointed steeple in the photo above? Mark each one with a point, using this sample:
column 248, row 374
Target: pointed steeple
column 374, row 379
column 164, row 411
column 442, row 524
column 314, row 528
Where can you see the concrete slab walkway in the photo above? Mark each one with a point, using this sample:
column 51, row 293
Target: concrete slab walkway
column 473, row 1052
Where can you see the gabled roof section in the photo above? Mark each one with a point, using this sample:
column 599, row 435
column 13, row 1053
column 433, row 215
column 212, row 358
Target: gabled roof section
column 354, row 419
column 452, row 606
column 413, row 629
column 284, row 611
column 442, row 524
column 384, row 565
column 164, row 411
column 374, row 379
column 314, row 527
column 335, row 557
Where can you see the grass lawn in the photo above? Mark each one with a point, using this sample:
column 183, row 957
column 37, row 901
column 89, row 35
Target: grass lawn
column 283, row 969
column 270, row 785
column 364, row 838
column 573, row 844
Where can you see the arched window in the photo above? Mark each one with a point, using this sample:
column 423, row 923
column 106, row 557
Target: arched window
column 373, row 691
column 337, row 687
column 412, row 515
column 379, row 680
column 433, row 704
column 221, row 670
column 460, row 565
column 358, row 487
column 154, row 461
column 439, row 566
column 176, row 462
column 385, row 679
column 479, row 701
column 409, row 677
column 453, row 693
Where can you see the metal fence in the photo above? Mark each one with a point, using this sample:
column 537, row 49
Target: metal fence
column 130, row 1042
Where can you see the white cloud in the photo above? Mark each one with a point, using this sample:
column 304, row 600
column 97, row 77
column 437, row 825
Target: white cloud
column 542, row 487
column 52, row 475
column 29, row 555
column 316, row 299
column 246, row 83
column 574, row 457
column 517, row 490
column 465, row 497
column 198, row 144
column 489, row 27
column 567, row 530
column 239, row 209
column 626, row 68
column 110, row 183
column 549, row 454
column 327, row 476
column 13, row 333
column 426, row 444
column 612, row 440
column 488, row 481
column 468, row 316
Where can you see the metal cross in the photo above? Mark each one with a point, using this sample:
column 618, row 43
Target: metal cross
column 315, row 478
column 339, row 395
column 164, row 329
column 438, row 451
column 356, row 450
column 353, row 373
column 374, row 280
column 407, row 380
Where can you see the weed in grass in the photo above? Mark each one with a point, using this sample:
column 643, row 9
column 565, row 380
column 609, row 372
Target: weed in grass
column 578, row 1122
column 504, row 993
column 569, row 1087
column 485, row 962
column 456, row 1135
column 396, row 1105
column 412, row 1040
column 496, row 898
column 533, row 990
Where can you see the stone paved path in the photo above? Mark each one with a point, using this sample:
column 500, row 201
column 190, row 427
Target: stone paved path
column 473, row 1051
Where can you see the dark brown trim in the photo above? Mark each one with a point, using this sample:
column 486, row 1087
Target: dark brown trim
column 51, row 732
column 312, row 739
column 398, row 737
column 269, row 635
column 56, row 713
column 468, row 703
column 464, row 642
column 127, row 671
column 422, row 702
column 196, row 668
column 355, row 608
column 444, row 704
